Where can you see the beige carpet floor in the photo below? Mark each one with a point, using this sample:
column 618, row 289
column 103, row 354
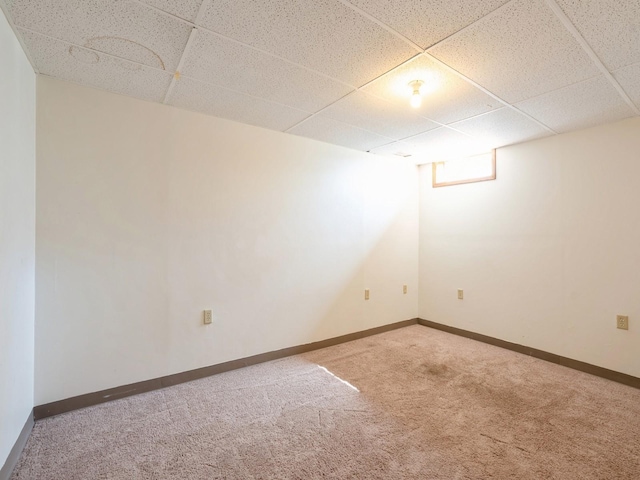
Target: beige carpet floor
column 413, row 403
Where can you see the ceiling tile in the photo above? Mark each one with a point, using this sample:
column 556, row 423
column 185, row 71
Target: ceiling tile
column 443, row 144
column 501, row 127
column 426, row 22
column 610, row 27
column 220, row 102
column 331, row 131
column 581, row 105
column 396, row 149
column 321, row 34
column 187, row 9
column 446, row 97
column 63, row 60
column 378, row 116
column 520, row 52
column 227, row 63
column 629, row 79
column 122, row 28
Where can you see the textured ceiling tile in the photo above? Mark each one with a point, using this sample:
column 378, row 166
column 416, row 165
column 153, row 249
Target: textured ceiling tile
column 426, row 22
column 520, row 52
column 224, row 62
column 443, row 144
column 629, row 79
column 581, row 105
column 395, row 149
column 62, row 60
column 501, row 127
column 217, row 101
column 187, row 9
column 331, row 131
column 119, row 27
column 321, row 34
column 446, row 97
column 610, row 27
column 378, row 116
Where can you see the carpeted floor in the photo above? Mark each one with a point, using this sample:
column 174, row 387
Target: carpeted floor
column 413, row 403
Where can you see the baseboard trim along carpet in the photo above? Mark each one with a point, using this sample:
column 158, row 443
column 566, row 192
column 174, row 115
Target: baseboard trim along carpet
column 95, row 398
column 542, row 355
column 16, row 451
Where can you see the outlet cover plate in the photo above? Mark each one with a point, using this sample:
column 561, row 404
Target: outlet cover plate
column 622, row 322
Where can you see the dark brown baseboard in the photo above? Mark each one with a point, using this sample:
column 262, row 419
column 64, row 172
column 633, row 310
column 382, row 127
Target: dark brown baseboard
column 95, row 398
column 16, row 451
column 542, row 355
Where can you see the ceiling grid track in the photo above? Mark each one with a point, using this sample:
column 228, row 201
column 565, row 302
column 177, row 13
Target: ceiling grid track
column 244, row 93
column 185, row 52
column 487, row 92
column 380, row 23
column 314, row 114
column 176, row 75
column 449, row 68
column 357, row 89
column 464, row 29
column 197, row 25
column 568, row 24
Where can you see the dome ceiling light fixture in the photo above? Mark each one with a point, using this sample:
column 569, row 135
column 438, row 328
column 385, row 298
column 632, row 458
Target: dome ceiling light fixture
column 416, row 97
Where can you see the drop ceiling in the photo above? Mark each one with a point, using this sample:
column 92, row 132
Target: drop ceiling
column 496, row 72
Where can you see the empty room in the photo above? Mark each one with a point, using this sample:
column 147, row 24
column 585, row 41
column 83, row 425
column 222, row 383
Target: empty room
column 311, row 239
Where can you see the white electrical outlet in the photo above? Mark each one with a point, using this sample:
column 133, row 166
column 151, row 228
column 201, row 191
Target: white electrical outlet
column 208, row 317
column 460, row 294
column 366, row 294
column 404, row 289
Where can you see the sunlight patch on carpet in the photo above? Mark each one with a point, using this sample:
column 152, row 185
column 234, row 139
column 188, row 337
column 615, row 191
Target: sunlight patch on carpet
column 335, row 376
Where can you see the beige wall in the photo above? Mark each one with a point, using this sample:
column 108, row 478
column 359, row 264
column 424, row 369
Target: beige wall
column 548, row 253
column 147, row 215
column 17, row 237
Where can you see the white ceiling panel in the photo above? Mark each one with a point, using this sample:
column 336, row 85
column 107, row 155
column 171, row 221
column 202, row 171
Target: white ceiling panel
column 379, row 116
column 396, row 149
column 229, row 64
column 273, row 63
column 426, row 22
column 501, row 127
column 610, row 27
column 443, row 144
column 446, row 97
column 187, row 9
column 63, row 60
column 122, row 28
column 520, row 52
column 321, row 34
column 629, row 79
column 338, row 133
column 581, row 105
column 220, row 102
